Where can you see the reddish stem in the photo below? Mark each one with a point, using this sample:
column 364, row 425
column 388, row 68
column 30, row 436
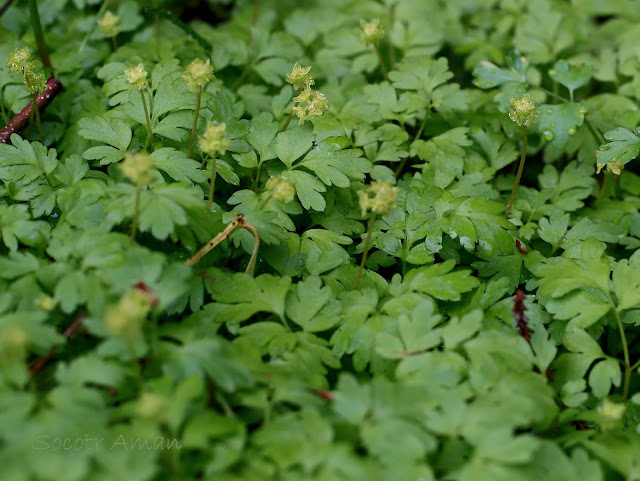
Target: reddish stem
column 40, row 363
column 20, row 121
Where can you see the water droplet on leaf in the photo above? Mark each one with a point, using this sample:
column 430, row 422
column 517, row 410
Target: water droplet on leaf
column 548, row 135
column 571, row 131
column 549, row 111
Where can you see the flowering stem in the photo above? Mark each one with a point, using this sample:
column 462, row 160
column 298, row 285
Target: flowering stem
column 365, row 252
column 382, row 67
column 266, row 201
column 36, row 112
column 625, row 351
column 114, row 43
column 37, row 32
column 516, row 183
column 212, row 183
column 392, row 53
column 603, row 189
column 136, row 210
column 286, row 124
column 195, row 122
column 148, row 119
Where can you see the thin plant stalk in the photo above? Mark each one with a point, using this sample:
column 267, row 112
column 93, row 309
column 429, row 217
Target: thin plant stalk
column 148, row 119
column 376, row 47
column 114, row 43
column 365, row 253
column 37, row 31
column 266, row 201
column 196, row 116
column 136, row 213
column 212, row 183
column 287, row 122
column 392, row 53
column 516, row 183
column 603, row 189
column 36, row 112
column 625, row 351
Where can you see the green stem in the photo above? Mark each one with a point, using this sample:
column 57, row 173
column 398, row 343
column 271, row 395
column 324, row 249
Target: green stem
column 286, row 124
column 417, row 136
column 636, row 365
column 392, row 53
column 266, row 201
column 114, row 43
column 88, row 35
column 603, row 189
column 516, row 183
column 195, row 122
column 380, row 59
column 37, row 31
column 148, row 119
column 625, row 352
column 212, row 183
column 136, row 211
column 365, row 252
column 36, row 111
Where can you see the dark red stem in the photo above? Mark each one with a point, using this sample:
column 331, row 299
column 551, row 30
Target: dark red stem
column 40, row 363
column 20, row 121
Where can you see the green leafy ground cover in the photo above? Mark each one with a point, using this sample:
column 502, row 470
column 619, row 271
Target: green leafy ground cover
column 474, row 347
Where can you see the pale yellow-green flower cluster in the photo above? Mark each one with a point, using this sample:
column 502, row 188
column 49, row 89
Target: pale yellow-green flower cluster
column 137, row 76
column 125, row 318
column 46, row 303
column 13, row 343
column 614, row 167
column 152, row 406
column 308, row 103
column 109, row 24
column 379, row 197
column 523, row 111
column 213, row 141
column 137, row 168
column 198, row 74
column 370, row 32
column 611, row 414
column 281, row 189
column 20, row 61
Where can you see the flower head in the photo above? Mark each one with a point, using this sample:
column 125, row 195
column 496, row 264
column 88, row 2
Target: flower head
column 152, row 406
column 198, row 74
column 18, row 59
column 299, row 77
column 125, row 317
column 13, row 343
column 611, row 414
column 136, row 167
column 137, row 76
column 523, row 111
column 214, row 141
column 310, row 103
column 35, row 82
column 281, row 189
column 46, row 303
column 370, row 32
column 379, row 197
column 109, row 24
column 615, row 167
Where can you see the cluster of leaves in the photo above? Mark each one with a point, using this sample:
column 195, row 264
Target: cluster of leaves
column 119, row 360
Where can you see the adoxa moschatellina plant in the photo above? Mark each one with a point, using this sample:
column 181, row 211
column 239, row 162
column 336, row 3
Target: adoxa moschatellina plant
column 213, row 142
column 197, row 75
column 35, row 82
column 524, row 112
column 308, row 103
column 379, row 198
column 137, row 76
column 371, row 33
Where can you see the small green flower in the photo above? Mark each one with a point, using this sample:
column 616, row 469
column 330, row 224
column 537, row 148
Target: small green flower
column 370, row 32
column 615, row 167
column 18, row 59
column 137, row 76
column 125, row 317
column 109, row 24
column 35, row 82
column 310, row 103
column 46, row 303
column 13, row 343
column 152, row 406
column 299, row 77
column 214, row 141
column 611, row 414
column 523, row 111
column 136, row 167
column 379, row 197
column 198, row 74
column 281, row 189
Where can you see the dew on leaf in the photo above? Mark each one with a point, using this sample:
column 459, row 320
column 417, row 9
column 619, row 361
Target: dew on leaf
column 548, row 135
column 571, row 131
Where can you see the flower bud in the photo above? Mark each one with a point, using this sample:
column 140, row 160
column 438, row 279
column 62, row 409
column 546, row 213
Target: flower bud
column 137, row 76
column 109, row 24
column 281, row 189
column 379, row 197
column 370, row 32
column 213, row 141
column 125, row 318
column 152, row 406
column 523, row 111
column 136, row 167
column 198, row 74
column 46, row 303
